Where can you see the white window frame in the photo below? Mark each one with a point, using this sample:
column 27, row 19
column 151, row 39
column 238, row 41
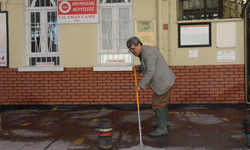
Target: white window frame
column 114, row 66
column 43, row 37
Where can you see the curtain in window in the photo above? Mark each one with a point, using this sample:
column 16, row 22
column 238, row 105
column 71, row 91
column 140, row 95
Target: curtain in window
column 123, row 27
column 116, row 27
column 107, row 29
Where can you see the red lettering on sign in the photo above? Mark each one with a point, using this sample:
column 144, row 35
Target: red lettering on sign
column 77, row 7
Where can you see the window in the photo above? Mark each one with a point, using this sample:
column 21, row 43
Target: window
column 41, row 33
column 115, row 28
column 209, row 9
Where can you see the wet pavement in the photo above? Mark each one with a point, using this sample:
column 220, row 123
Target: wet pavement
column 60, row 128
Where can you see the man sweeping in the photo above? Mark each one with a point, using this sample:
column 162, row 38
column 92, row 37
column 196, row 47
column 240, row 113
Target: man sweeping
column 159, row 76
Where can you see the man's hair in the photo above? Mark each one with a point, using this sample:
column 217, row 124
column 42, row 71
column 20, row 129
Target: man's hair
column 133, row 40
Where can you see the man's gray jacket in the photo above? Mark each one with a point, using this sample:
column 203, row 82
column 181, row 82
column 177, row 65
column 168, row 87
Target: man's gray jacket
column 155, row 71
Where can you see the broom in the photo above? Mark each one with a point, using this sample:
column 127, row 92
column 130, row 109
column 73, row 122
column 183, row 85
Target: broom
column 141, row 146
column 138, row 109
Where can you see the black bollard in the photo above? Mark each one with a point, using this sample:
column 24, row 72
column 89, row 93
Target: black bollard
column 246, row 124
column 105, row 133
column 1, row 129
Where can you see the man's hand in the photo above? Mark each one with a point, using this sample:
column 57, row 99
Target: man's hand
column 136, row 68
column 137, row 88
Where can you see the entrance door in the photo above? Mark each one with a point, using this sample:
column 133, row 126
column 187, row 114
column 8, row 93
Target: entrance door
column 247, row 50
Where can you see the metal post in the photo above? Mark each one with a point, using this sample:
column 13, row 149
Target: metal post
column 1, row 129
column 105, row 133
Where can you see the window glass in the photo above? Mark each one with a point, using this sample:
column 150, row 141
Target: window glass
column 209, row 9
column 52, row 32
column 107, row 28
column 35, row 32
column 123, row 27
column 43, row 3
column 41, row 40
column 115, row 1
column 115, row 28
column 116, row 58
column 30, row 2
column 44, row 61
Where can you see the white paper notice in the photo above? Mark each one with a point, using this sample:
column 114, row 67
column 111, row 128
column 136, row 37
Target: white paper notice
column 225, row 56
column 193, row 53
column 3, row 60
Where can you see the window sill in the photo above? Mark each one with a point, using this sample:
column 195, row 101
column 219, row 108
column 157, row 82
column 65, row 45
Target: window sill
column 112, row 68
column 210, row 20
column 29, row 69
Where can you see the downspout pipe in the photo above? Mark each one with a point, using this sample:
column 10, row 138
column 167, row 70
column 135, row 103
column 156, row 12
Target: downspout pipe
column 169, row 33
column 160, row 27
column 245, row 16
column 4, row 5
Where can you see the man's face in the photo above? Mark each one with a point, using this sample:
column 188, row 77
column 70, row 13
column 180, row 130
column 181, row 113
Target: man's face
column 136, row 50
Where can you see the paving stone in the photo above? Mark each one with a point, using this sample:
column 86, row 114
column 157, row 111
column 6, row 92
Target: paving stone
column 9, row 145
column 36, row 145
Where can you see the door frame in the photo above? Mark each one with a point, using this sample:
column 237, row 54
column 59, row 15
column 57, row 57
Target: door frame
column 245, row 17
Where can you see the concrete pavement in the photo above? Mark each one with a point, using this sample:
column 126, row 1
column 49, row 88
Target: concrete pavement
column 58, row 128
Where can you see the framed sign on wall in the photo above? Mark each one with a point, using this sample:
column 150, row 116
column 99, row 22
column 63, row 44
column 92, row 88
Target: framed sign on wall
column 4, row 42
column 145, row 30
column 77, row 11
column 194, row 35
column 226, row 34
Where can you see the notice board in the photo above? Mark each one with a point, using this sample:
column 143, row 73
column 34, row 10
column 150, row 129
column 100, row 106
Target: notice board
column 194, row 34
column 226, row 34
column 4, row 46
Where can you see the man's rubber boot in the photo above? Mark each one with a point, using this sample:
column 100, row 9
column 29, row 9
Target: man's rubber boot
column 161, row 122
column 168, row 122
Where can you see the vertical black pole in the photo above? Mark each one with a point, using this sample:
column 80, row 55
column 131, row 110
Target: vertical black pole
column 220, row 9
column 1, row 129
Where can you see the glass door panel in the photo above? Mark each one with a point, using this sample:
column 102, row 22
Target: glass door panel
column 35, row 32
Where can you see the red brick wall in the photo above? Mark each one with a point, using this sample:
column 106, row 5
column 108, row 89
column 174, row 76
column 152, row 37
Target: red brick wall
column 210, row 84
column 81, row 86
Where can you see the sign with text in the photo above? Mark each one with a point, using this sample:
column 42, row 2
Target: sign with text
column 4, row 39
column 45, row 64
column 193, row 53
column 165, row 26
column 77, row 11
column 115, row 61
column 225, row 56
column 146, row 31
column 3, row 59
